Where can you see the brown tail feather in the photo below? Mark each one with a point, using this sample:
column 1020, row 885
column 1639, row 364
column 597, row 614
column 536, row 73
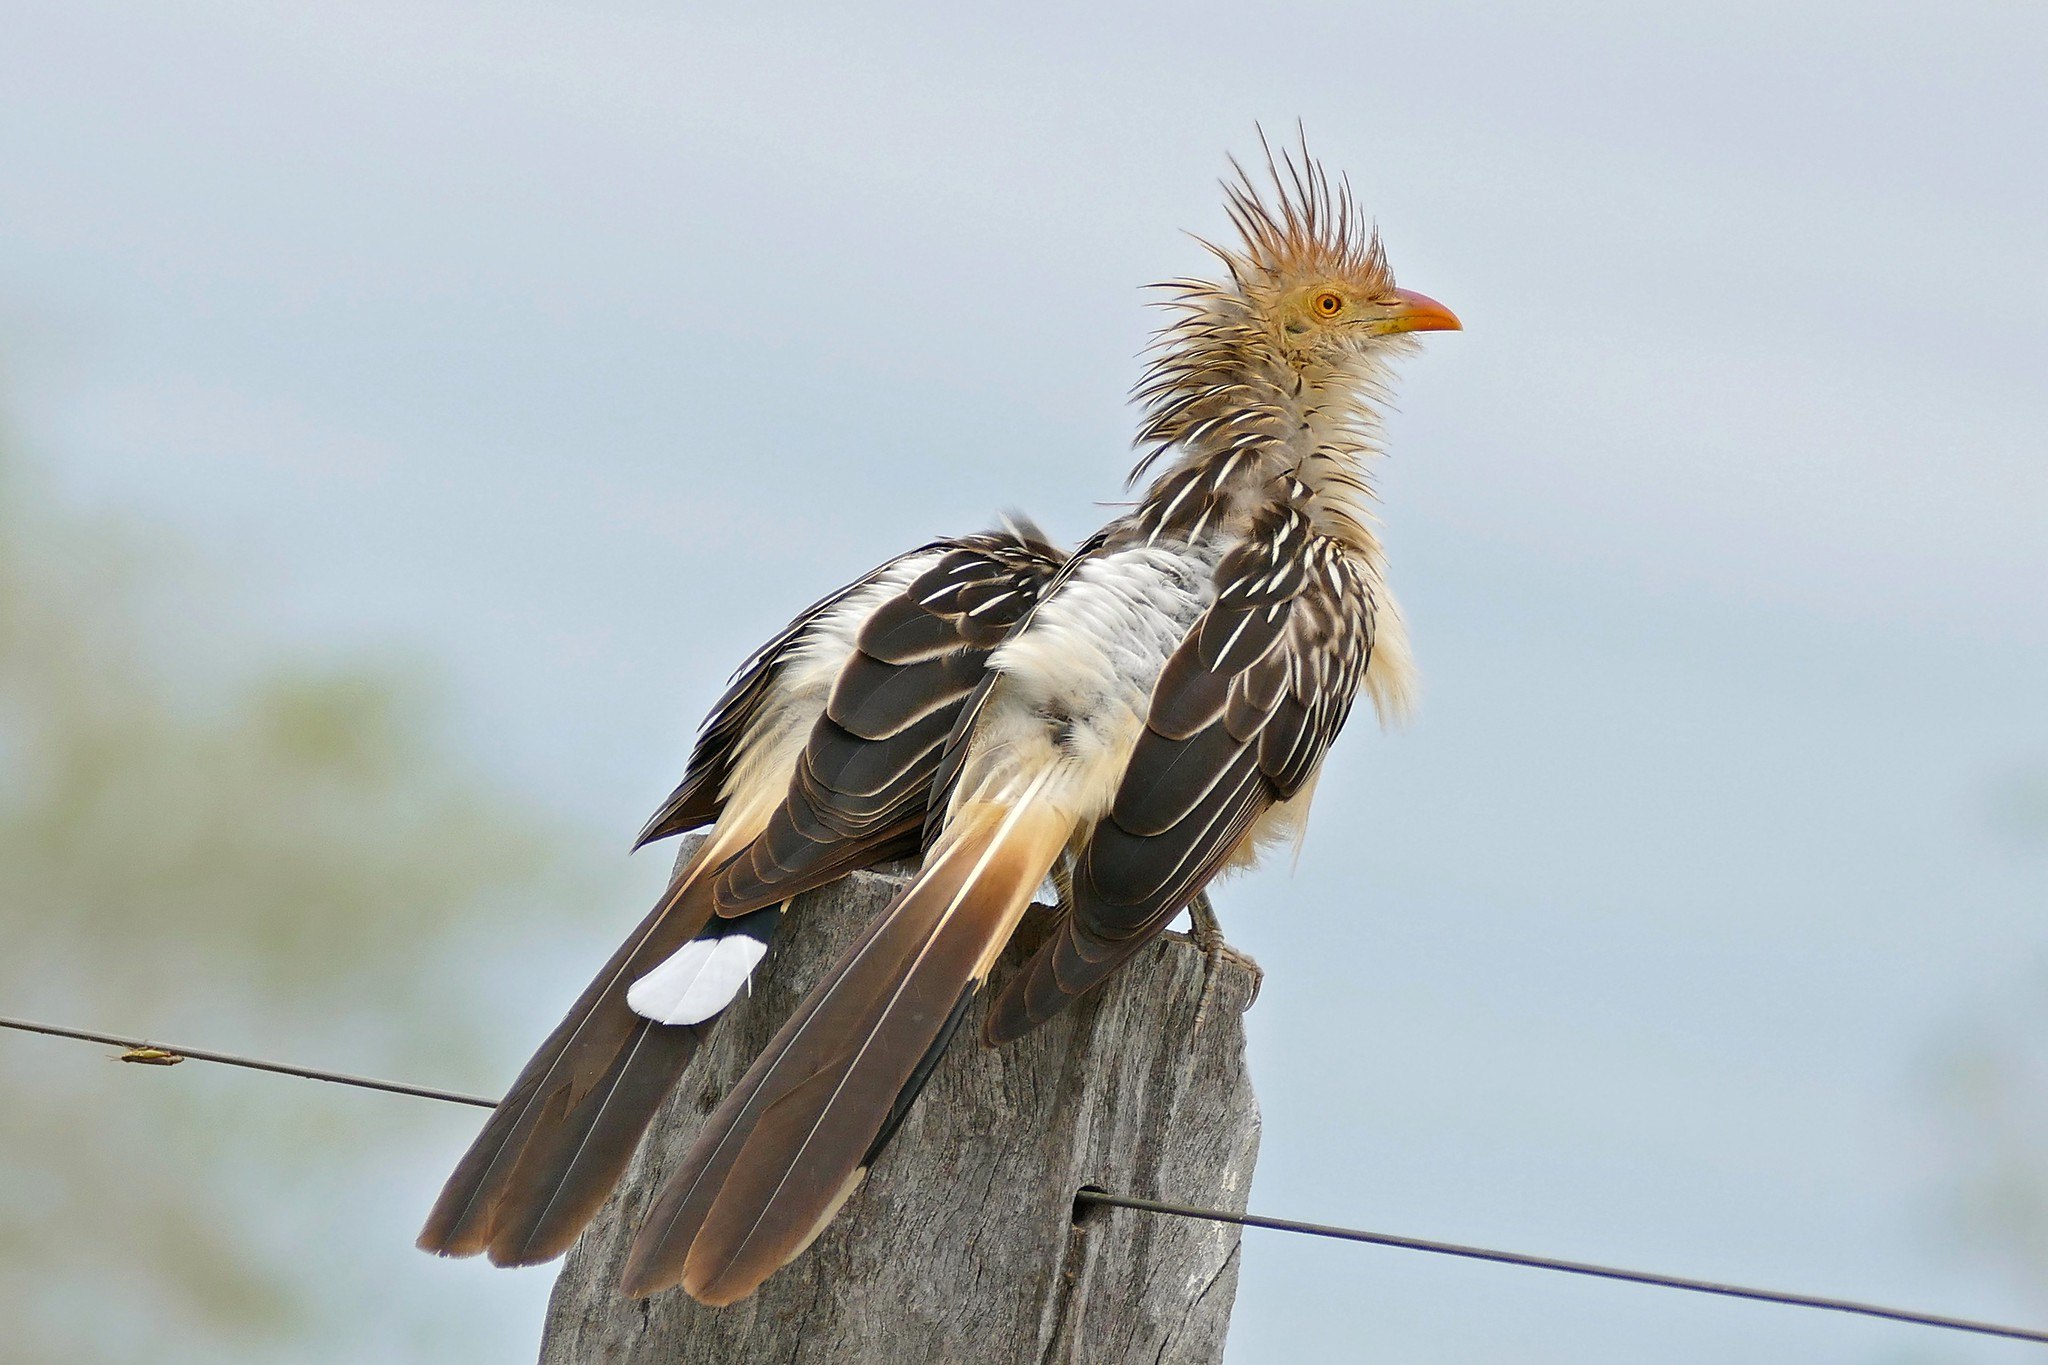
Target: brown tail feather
column 790, row 1143
column 558, row 1123
column 571, row 1164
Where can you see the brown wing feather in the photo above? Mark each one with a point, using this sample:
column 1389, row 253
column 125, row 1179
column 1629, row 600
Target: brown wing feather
column 1241, row 716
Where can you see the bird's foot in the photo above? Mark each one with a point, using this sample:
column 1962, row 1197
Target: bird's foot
column 1207, row 934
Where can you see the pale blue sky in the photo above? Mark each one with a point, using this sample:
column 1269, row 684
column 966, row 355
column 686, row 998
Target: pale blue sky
column 573, row 347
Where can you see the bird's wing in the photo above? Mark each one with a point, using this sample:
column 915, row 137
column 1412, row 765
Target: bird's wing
column 1239, row 721
column 700, row 796
column 859, row 791
column 558, row 1142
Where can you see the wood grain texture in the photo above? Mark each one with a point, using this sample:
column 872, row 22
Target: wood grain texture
column 962, row 1246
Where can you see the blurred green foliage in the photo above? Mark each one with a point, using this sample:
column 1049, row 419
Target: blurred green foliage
column 1990, row 1077
column 1995, row 1082
column 206, row 838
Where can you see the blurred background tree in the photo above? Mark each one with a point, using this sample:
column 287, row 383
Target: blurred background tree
column 207, row 839
column 1991, row 1075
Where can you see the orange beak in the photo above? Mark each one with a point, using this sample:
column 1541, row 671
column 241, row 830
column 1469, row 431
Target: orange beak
column 1413, row 312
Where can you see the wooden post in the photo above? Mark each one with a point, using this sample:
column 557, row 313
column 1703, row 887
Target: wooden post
column 962, row 1246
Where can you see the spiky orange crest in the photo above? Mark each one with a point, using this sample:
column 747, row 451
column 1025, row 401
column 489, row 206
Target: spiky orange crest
column 1311, row 227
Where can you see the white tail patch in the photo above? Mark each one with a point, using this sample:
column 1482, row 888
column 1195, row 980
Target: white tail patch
column 698, row 980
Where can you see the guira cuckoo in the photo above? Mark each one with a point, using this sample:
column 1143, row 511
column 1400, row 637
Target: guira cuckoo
column 1157, row 716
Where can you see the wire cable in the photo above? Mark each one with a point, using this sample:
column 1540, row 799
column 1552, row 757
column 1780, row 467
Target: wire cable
column 1103, row 1198
column 170, row 1054
column 142, row 1050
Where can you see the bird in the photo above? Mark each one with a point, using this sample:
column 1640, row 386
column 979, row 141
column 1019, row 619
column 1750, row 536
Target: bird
column 1159, row 716
column 816, row 762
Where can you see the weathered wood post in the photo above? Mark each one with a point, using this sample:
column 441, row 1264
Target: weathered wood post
column 963, row 1246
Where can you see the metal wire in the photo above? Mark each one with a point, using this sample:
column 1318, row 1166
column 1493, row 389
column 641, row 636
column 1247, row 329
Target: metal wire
column 169, row 1054
column 1605, row 1272
column 166, row 1054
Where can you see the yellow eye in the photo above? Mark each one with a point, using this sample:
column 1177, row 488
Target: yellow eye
column 1327, row 304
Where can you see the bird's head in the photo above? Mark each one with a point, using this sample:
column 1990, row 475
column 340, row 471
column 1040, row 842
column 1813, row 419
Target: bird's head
column 1309, row 281
column 1287, row 352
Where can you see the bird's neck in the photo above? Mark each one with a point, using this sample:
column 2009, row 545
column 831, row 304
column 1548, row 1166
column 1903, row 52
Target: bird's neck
column 1240, row 428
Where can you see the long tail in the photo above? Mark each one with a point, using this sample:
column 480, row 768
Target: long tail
column 795, row 1137
column 561, row 1138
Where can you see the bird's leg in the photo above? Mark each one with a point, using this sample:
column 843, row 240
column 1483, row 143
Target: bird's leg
column 1203, row 927
column 1207, row 934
